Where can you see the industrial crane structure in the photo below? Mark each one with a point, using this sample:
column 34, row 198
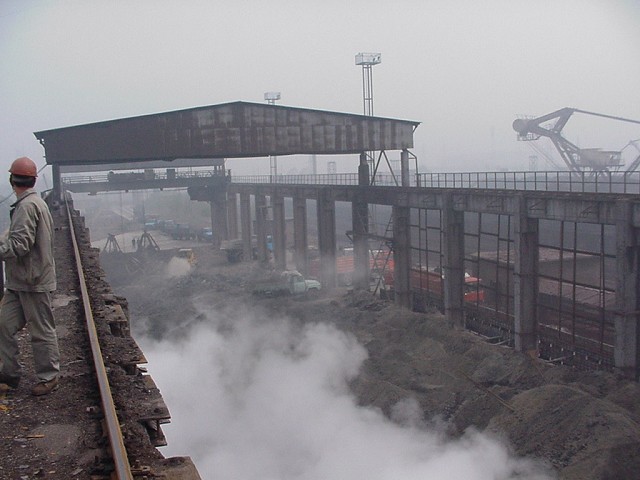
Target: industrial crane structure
column 576, row 159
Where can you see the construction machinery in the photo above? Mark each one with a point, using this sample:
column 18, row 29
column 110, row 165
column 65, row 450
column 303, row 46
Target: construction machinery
column 112, row 245
column 188, row 255
column 147, row 243
column 634, row 165
column 575, row 158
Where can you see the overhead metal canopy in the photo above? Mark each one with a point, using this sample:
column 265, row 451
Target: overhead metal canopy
column 177, row 163
column 230, row 130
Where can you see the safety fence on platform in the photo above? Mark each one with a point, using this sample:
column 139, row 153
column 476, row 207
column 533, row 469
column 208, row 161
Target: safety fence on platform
column 551, row 181
column 388, row 180
column 548, row 181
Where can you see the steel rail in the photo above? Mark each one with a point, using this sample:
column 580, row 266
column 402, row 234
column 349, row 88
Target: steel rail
column 118, row 451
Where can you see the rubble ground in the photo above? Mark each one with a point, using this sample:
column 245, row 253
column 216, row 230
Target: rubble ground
column 584, row 424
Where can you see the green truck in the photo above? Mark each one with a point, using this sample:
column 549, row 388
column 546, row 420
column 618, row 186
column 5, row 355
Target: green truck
column 183, row 231
column 234, row 249
column 289, row 282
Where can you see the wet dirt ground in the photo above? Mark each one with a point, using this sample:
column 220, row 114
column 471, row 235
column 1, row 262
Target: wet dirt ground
column 584, row 424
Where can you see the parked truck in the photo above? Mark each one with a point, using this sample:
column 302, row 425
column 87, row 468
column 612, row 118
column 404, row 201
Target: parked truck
column 183, row 231
column 234, row 248
column 289, row 282
column 205, row 235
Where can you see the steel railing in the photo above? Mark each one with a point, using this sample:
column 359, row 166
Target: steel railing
column 559, row 181
column 548, row 181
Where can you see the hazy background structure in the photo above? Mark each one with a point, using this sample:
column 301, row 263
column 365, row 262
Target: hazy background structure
column 465, row 70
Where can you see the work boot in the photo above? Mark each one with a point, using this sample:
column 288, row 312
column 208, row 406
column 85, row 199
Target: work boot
column 45, row 387
column 8, row 383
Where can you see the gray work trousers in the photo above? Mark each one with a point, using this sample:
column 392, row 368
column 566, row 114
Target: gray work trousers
column 32, row 309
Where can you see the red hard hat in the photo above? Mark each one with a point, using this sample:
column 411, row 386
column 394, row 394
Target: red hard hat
column 24, row 166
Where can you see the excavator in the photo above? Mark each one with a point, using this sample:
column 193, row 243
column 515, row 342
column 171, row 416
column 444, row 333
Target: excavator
column 576, row 159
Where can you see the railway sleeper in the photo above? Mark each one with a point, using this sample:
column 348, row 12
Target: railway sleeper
column 155, row 412
column 117, row 320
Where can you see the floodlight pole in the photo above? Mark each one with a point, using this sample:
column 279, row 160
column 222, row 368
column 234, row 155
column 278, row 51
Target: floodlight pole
column 367, row 89
column 368, row 60
column 271, row 98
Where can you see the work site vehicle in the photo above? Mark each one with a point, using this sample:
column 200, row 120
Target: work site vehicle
column 151, row 224
column 167, row 226
column 183, row 232
column 205, row 235
column 234, row 249
column 289, row 282
column 187, row 254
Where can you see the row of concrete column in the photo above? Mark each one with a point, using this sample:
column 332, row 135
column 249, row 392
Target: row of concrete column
column 525, row 267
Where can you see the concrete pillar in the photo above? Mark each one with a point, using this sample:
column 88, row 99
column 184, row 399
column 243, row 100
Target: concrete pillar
column 326, row 211
column 360, row 228
column 300, row 240
column 219, row 219
column 245, row 225
column 363, row 170
column 279, row 233
column 401, row 255
column 627, row 271
column 58, row 188
column 453, row 249
column 221, row 200
column 232, row 215
column 404, row 168
column 215, row 235
column 261, row 227
column 525, row 279
column 217, row 226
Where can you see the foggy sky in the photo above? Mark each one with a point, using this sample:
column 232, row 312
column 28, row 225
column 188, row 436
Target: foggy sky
column 463, row 68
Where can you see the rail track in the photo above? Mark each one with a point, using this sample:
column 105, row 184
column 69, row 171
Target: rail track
column 131, row 407
column 113, row 431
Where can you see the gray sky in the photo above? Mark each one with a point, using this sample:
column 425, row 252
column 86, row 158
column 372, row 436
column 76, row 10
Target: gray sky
column 465, row 69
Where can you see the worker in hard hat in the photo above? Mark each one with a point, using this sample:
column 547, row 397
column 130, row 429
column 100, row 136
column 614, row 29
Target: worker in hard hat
column 27, row 250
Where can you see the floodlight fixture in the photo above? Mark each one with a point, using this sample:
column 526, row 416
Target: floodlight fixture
column 271, row 97
column 368, row 58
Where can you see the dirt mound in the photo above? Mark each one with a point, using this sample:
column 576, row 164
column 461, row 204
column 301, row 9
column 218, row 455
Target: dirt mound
column 585, row 424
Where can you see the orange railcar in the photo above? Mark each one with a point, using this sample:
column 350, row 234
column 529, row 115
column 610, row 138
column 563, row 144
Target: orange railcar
column 345, row 267
column 428, row 284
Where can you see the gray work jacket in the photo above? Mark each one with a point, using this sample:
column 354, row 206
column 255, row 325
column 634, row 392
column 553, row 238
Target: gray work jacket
column 27, row 247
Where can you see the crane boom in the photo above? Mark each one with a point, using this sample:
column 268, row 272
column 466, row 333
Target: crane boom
column 612, row 117
column 575, row 159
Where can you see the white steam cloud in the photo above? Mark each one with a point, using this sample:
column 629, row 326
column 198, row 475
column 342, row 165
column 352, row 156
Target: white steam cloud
column 253, row 397
column 177, row 267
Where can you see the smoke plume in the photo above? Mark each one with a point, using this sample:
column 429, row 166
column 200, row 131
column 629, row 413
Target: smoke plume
column 254, row 397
